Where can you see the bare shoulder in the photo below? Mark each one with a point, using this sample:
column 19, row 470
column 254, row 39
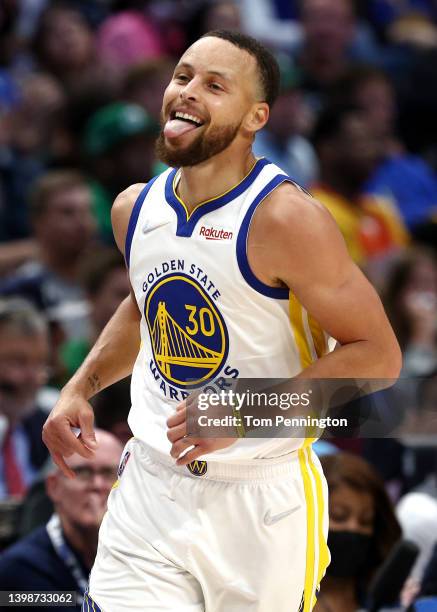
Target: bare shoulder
column 299, row 237
column 121, row 212
column 293, row 217
column 290, row 210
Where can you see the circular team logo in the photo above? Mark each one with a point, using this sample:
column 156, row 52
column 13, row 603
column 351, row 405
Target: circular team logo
column 187, row 332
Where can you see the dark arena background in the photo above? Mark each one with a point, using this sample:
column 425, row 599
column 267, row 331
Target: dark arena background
column 355, row 124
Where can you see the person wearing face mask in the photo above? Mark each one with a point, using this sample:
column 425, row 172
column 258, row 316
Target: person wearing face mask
column 362, row 530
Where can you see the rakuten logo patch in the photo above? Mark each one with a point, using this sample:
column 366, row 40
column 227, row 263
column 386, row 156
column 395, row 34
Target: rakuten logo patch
column 210, row 233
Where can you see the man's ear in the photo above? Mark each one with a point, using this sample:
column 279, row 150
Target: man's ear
column 52, row 487
column 257, row 117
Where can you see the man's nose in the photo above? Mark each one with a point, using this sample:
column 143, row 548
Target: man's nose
column 190, row 90
column 101, row 482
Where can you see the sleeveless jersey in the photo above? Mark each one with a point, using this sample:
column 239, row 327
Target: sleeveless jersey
column 205, row 316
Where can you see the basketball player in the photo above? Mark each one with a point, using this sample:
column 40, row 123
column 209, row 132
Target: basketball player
column 235, row 272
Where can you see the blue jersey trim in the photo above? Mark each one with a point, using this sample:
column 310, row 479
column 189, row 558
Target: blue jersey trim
column 185, row 223
column 279, row 293
column 133, row 220
column 89, row 605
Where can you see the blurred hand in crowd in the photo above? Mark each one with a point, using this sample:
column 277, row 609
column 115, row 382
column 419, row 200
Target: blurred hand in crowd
column 419, row 300
column 411, row 302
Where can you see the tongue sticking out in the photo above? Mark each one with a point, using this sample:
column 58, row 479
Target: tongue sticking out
column 177, row 127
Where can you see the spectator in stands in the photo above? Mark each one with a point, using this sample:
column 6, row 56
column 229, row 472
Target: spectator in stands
column 63, row 44
column 32, row 125
column 64, row 228
column 144, row 84
column 329, row 29
column 59, row 556
column 349, row 152
column 24, row 356
column 106, row 284
column 362, row 531
column 404, row 177
column 411, row 303
column 214, row 15
column 283, row 140
column 119, row 148
column 126, row 38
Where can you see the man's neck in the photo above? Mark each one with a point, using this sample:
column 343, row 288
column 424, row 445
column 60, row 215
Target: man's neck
column 83, row 541
column 66, row 268
column 213, row 177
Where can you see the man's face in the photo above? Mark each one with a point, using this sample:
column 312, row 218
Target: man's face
column 68, row 41
column 357, row 149
column 216, row 83
column 81, row 501
column 377, row 100
column 328, row 25
column 67, row 225
column 23, row 369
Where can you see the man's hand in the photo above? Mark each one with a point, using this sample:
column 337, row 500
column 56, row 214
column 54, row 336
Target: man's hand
column 176, row 433
column 70, row 411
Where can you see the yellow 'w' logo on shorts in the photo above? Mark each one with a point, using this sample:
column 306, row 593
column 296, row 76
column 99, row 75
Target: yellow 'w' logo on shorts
column 198, row 468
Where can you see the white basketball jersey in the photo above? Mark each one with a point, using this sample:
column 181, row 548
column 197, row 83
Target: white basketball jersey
column 206, row 318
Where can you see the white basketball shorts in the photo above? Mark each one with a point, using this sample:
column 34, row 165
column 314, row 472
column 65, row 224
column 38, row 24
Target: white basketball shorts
column 214, row 538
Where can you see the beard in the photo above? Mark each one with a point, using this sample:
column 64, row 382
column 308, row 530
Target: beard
column 201, row 149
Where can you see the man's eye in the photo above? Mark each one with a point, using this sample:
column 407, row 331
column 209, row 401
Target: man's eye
column 181, row 77
column 216, row 86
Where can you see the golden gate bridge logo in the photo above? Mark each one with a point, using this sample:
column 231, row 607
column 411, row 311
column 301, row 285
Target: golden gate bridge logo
column 189, row 343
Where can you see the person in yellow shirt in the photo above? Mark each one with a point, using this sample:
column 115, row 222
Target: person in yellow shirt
column 349, row 152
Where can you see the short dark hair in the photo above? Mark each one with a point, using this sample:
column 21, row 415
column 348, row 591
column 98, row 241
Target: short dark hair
column 330, row 122
column 267, row 65
column 49, row 184
column 344, row 90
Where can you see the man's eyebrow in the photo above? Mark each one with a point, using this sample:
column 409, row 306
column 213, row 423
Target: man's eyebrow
column 223, row 75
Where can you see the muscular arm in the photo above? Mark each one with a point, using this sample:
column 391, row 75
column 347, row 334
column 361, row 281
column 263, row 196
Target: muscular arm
column 295, row 242
column 111, row 359
column 121, row 335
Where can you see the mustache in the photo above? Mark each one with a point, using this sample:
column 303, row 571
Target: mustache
column 165, row 114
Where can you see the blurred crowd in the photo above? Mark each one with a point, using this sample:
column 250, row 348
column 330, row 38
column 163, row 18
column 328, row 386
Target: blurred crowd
column 81, row 85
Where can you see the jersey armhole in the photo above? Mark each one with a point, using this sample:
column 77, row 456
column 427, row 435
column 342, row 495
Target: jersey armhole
column 279, row 293
column 133, row 219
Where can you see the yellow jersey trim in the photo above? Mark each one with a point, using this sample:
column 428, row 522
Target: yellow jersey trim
column 318, row 336
column 317, row 558
column 190, row 214
column 298, row 326
column 309, row 587
column 324, row 554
